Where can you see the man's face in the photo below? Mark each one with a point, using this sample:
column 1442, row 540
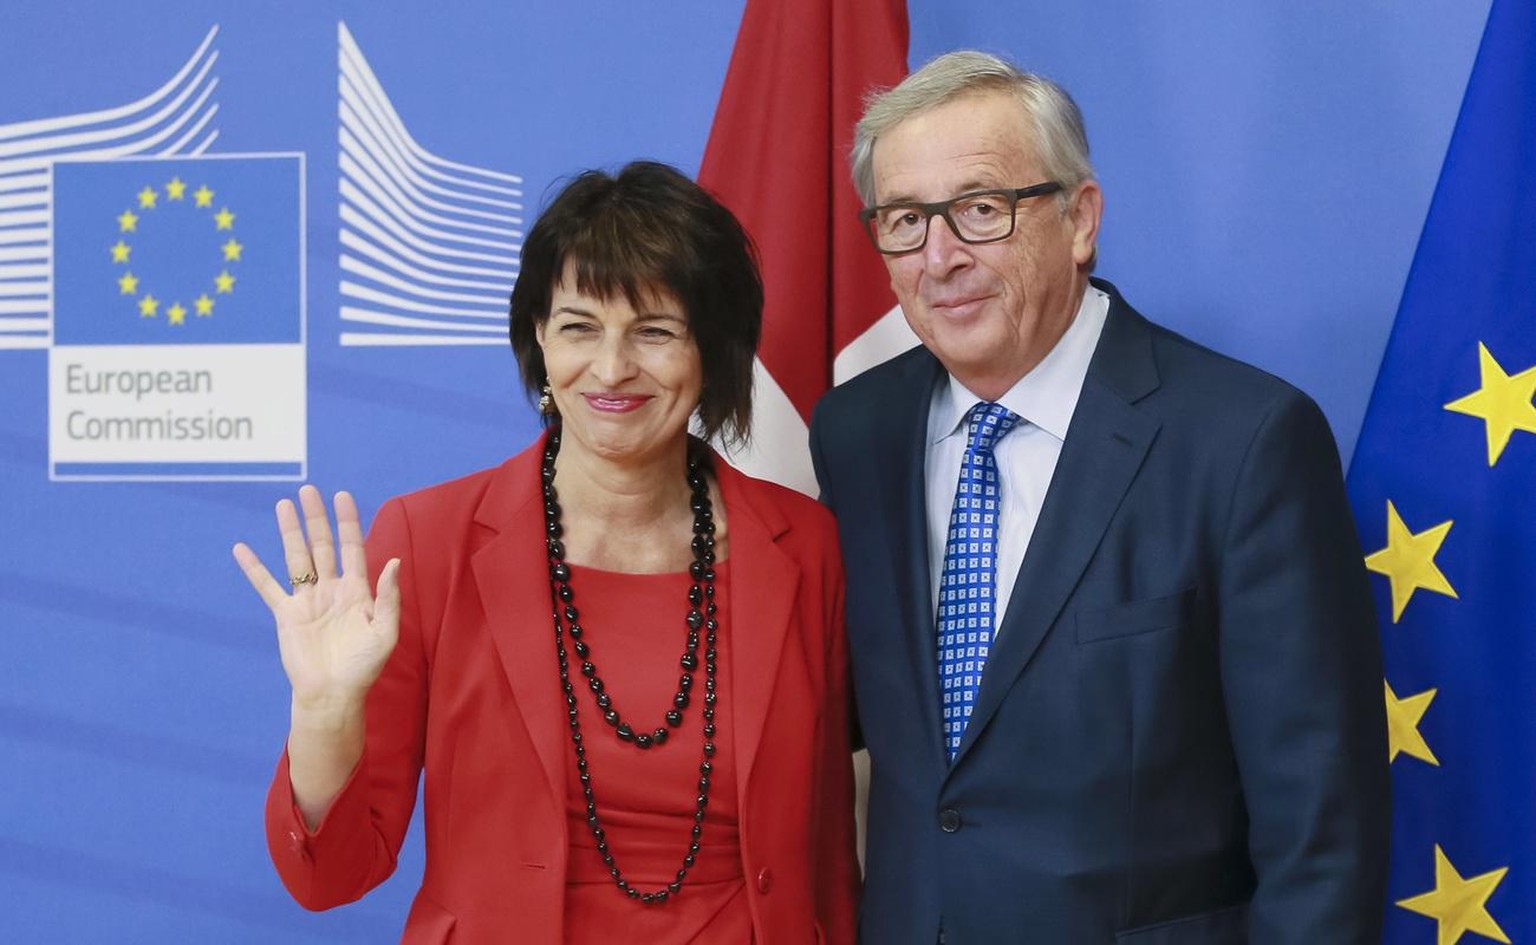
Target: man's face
column 990, row 312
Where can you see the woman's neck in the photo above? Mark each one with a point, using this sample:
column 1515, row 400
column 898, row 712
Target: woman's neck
column 630, row 516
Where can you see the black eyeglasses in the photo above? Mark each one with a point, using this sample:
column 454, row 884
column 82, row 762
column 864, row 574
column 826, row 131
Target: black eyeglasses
column 981, row 216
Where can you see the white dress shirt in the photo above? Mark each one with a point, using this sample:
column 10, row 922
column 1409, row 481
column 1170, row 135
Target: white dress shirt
column 1045, row 399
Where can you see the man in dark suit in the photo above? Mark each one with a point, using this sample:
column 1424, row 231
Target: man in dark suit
column 1114, row 651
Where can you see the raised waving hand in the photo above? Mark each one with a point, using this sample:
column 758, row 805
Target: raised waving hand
column 334, row 634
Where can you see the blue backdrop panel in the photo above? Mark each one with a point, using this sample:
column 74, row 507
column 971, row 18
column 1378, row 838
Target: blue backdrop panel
column 1266, row 175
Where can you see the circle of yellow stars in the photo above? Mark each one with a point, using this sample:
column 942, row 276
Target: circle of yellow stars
column 148, row 201
column 1506, row 403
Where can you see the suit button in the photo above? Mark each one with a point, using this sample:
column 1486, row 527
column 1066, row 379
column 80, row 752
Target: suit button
column 949, row 820
column 764, row 880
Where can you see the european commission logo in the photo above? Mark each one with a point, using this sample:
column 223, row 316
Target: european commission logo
column 178, row 318
column 167, row 285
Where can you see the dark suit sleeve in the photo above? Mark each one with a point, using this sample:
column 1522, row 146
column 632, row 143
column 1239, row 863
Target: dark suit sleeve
column 1302, row 680
column 824, row 494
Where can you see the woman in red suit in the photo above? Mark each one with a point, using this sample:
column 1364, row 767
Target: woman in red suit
column 619, row 662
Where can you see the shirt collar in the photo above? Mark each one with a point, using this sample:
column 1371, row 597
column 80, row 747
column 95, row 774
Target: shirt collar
column 1045, row 397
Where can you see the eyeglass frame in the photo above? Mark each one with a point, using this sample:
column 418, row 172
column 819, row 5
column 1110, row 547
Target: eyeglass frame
column 941, row 208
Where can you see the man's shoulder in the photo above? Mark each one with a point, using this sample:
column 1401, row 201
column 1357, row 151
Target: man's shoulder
column 1183, row 360
column 1200, row 378
column 1212, row 408
column 876, row 386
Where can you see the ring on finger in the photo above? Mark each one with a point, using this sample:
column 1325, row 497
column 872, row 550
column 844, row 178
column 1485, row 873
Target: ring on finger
column 303, row 579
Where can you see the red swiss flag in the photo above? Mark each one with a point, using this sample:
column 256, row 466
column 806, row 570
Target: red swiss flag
column 778, row 157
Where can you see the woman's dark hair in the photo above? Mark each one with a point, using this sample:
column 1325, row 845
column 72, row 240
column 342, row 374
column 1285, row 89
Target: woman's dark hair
column 650, row 228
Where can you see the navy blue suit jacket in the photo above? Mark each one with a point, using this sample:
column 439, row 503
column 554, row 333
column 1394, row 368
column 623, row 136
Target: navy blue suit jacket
column 1180, row 734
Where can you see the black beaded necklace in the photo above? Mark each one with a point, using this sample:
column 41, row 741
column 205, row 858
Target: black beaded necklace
column 701, row 614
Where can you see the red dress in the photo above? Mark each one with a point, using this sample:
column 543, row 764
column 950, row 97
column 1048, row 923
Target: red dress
column 634, row 624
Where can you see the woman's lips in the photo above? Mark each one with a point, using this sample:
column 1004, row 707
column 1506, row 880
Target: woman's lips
column 616, row 403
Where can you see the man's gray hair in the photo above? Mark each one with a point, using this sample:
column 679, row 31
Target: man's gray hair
column 1058, row 125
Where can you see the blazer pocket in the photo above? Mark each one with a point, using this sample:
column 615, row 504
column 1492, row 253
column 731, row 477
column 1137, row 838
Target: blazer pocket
column 1225, row 927
column 1135, row 617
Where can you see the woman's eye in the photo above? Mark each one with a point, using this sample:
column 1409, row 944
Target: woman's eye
column 652, row 333
column 576, row 328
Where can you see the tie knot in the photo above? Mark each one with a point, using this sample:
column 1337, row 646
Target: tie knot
column 989, row 422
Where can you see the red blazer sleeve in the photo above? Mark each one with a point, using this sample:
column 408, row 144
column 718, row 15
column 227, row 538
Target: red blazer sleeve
column 354, row 847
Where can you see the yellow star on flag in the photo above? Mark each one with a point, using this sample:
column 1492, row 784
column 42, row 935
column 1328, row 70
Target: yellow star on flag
column 224, row 282
column 1403, row 717
column 202, row 197
column 148, row 306
column 232, row 250
column 1503, row 402
column 176, row 189
column 224, row 220
column 1408, row 561
column 177, row 314
column 127, row 222
column 1459, row 905
column 127, row 284
column 147, row 198
column 204, row 305
column 120, row 252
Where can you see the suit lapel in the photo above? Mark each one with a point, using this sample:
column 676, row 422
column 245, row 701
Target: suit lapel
column 509, row 577
column 764, row 585
column 1104, row 449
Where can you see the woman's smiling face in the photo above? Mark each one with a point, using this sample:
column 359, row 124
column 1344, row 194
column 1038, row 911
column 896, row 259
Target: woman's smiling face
column 626, row 379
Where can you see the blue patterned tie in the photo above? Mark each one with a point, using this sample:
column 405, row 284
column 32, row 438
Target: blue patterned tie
column 970, row 570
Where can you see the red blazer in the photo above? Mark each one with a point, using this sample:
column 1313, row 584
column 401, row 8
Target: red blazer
column 471, row 695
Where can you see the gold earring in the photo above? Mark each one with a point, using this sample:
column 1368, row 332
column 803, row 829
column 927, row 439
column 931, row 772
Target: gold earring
column 546, row 402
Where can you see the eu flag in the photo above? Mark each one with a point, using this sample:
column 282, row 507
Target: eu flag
column 1444, row 489
column 178, row 251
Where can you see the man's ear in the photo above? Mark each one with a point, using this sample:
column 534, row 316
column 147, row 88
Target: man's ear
column 1085, row 210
